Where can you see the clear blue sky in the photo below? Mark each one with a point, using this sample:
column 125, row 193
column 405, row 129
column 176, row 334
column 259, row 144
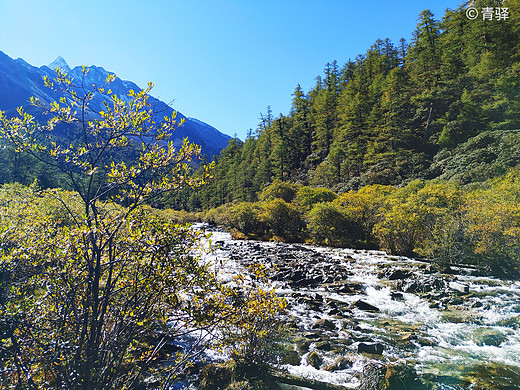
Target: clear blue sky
column 221, row 61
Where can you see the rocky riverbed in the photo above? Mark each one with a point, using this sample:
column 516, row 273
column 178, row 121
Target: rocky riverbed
column 358, row 317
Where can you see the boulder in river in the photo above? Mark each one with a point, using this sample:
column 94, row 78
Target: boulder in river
column 397, row 296
column 489, row 336
column 362, row 305
column 340, row 363
column 291, row 357
column 303, row 345
column 323, row 345
column 372, row 348
column 399, row 274
column 324, row 324
column 377, row 375
column 314, row 359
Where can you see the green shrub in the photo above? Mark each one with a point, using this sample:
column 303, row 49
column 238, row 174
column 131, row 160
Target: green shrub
column 178, row 216
column 492, row 225
column 329, row 225
column 283, row 219
column 402, row 227
column 420, row 218
column 308, row 196
column 220, row 215
column 245, row 217
column 279, row 189
column 365, row 208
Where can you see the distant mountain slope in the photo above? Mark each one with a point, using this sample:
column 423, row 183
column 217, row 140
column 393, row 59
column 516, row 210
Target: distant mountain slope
column 20, row 80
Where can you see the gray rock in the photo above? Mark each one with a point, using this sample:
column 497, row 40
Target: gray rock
column 314, row 360
column 372, row 348
column 489, row 336
column 312, row 335
column 396, row 296
column 362, row 305
column 399, row 274
column 291, row 357
column 341, row 363
column 324, row 324
column 304, row 345
column 377, row 376
column 323, row 346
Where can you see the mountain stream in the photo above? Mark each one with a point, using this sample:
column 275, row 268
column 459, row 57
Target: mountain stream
column 352, row 309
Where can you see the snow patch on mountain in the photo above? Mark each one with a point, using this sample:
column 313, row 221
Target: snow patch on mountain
column 60, row 62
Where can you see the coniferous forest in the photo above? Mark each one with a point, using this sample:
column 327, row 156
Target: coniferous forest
column 424, row 132
column 443, row 105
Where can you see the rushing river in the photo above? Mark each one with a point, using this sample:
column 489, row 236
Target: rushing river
column 458, row 330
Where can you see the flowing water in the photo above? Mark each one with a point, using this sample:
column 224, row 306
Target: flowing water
column 458, row 330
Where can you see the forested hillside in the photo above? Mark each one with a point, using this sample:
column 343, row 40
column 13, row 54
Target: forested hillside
column 445, row 104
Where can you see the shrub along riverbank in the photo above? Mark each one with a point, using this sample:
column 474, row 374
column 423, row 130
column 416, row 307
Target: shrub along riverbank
column 474, row 225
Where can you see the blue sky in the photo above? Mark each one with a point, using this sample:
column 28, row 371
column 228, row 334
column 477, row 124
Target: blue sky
column 222, row 62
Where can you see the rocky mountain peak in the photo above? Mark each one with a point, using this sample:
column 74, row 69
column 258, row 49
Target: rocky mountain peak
column 60, row 62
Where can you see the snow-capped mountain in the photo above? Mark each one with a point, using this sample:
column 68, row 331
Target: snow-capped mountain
column 60, row 63
column 20, row 80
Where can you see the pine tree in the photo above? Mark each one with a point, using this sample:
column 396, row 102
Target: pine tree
column 424, row 54
column 302, row 125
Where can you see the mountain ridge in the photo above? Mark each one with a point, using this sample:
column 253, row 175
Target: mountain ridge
column 20, row 80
